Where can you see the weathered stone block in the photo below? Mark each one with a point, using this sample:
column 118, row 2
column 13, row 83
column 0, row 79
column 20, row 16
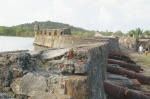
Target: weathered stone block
column 56, row 84
column 6, row 89
column 6, row 83
column 77, row 87
column 16, row 72
column 54, row 53
column 29, row 84
column 81, row 67
column 4, row 96
column 47, row 95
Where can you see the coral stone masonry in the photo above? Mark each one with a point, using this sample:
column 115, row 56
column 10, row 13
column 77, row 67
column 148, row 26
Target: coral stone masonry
column 72, row 68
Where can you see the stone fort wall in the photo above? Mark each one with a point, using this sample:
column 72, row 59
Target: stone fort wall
column 54, row 32
column 58, row 38
column 67, row 73
column 129, row 42
column 133, row 43
column 87, row 56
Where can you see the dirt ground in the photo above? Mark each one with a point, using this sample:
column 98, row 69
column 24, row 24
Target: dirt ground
column 144, row 62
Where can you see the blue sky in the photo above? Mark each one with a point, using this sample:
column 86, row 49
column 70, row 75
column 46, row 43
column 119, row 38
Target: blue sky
column 101, row 15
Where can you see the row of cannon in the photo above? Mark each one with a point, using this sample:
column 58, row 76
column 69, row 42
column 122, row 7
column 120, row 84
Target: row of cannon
column 127, row 68
column 121, row 92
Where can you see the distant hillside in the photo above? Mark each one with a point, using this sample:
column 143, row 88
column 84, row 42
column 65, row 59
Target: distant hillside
column 27, row 29
column 52, row 25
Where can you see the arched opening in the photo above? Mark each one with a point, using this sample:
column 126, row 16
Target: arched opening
column 55, row 32
column 49, row 32
column 44, row 32
column 61, row 33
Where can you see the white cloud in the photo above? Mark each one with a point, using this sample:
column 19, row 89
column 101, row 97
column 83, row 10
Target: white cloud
column 88, row 14
column 136, row 9
column 105, row 16
column 59, row 9
column 22, row 11
column 108, row 2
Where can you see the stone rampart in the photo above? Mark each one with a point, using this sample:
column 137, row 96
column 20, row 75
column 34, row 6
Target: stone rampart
column 59, row 41
column 58, row 38
column 133, row 43
column 66, row 73
column 51, row 32
column 129, row 42
column 75, row 69
column 54, row 32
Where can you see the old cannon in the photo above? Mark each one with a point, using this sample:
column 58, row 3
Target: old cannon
column 119, row 54
column 121, row 58
column 121, row 92
column 123, row 64
column 130, row 74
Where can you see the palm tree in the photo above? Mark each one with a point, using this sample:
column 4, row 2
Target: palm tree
column 139, row 32
column 119, row 33
column 131, row 33
column 146, row 33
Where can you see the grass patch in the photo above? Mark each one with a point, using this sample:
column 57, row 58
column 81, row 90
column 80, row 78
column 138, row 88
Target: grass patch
column 148, row 87
column 145, row 60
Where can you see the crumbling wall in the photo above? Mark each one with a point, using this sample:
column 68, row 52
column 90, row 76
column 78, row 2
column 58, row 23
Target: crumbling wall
column 59, row 41
column 114, row 44
column 74, row 70
column 129, row 42
column 58, row 38
column 12, row 66
column 144, row 43
column 66, row 73
column 52, row 32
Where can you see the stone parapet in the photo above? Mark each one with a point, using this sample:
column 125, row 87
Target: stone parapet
column 68, row 40
column 53, row 32
column 74, row 69
column 73, row 73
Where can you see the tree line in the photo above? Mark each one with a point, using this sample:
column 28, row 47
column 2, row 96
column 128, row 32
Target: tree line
column 27, row 30
column 16, row 31
column 138, row 32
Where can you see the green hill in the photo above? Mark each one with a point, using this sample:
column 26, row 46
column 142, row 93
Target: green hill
column 52, row 25
column 27, row 29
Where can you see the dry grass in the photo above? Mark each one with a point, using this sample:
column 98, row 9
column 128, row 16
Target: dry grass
column 144, row 59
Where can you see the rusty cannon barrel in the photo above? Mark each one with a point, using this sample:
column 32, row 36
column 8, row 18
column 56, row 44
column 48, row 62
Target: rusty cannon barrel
column 121, row 58
column 123, row 64
column 134, row 95
column 114, row 90
column 116, row 53
column 130, row 74
column 121, row 92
